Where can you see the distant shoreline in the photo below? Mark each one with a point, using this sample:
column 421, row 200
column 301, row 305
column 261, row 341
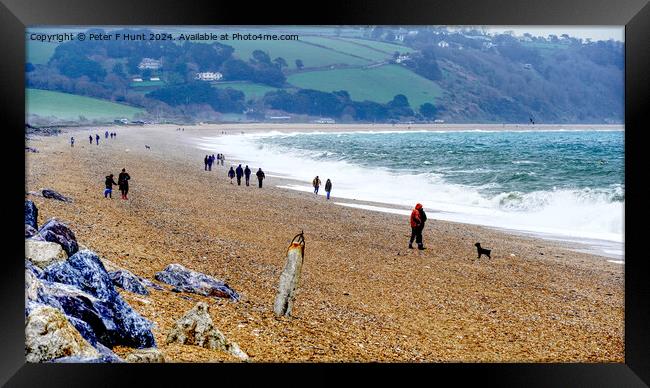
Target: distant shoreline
column 312, row 127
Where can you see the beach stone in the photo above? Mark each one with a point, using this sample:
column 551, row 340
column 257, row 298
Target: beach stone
column 149, row 355
column 196, row 328
column 31, row 214
column 49, row 335
column 30, row 231
column 43, row 253
column 187, row 280
column 58, row 232
column 48, row 193
column 128, row 281
column 90, row 296
column 150, row 284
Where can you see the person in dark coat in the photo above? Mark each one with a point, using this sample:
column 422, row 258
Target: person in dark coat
column 106, row 135
column 90, row 137
column 240, row 172
column 96, row 139
column 231, row 174
column 72, row 141
column 418, row 218
column 205, row 162
column 123, row 182
column 110, row 182
column 260, row 176
column 328, row 188
column 210, row 161
column 247, row 174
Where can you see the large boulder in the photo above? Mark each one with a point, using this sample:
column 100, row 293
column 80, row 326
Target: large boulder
column 128, row 281
column 43, row 253
column 49, row 335
column 190, row 281
column 196, row 328
column 31, row 214
column 83, row 289
column 58, row 232
column 150, row 355
column 48, row 193
column 30, row 231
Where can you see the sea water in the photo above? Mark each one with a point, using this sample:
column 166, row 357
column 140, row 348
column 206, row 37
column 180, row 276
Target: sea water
column 558, row 184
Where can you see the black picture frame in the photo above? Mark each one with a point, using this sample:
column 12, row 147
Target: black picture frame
column 15, row 15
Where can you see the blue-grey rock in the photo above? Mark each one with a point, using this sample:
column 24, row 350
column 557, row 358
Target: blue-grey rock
column 150, row 284
column 48, row 193
column 128, row 281
column 31, row 214
column 82, row 288
column 58, row 232
column 29, row 231
column 187, row 280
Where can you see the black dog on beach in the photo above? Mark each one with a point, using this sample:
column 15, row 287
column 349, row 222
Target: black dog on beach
column 147, row 147
column 482, row 251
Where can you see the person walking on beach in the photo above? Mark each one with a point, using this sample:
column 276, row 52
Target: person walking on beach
column 260, row 176
column 110, row 182
column 240, row 172
column 205, row 162
column 72, row 141
column 96, row 139
column 316, row 184
column 247, row 174
column 222, row 159
column 106, row 135
column 90, row 137
column 123, row 182
column 210, row 161
column 231, row 174
column 328, row 188
column 418, row 218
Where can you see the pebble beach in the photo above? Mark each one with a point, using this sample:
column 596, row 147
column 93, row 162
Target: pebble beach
column 363, row 296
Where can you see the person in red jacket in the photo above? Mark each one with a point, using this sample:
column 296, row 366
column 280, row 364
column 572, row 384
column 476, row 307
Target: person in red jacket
column 418, row 218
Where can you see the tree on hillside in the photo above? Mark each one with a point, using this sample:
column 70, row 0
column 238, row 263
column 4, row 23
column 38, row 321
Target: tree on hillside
column 299, row 64
column 118, row 70
column 428, row 110
column 261, row 57
column 280, row 62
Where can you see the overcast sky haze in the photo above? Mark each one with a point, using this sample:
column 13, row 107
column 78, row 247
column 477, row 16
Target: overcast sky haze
column 584, row 32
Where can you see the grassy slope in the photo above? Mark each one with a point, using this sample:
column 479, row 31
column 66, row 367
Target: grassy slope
column 389, row 48
column 69, row 106
column 348, row 47
column 379, row 84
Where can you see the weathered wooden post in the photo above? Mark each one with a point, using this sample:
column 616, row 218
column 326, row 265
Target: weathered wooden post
column 290, row 277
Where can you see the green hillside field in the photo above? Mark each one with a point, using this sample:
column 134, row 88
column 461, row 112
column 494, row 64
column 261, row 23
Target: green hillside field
column 378, row 84
column 69, row 106
column 348, row 47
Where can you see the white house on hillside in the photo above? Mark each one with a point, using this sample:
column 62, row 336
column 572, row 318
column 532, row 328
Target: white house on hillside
column 150, row 63
column 209, row 76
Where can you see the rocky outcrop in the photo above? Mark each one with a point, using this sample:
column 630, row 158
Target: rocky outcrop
column 196, row 328
column 31, row 214
column 150, row 355
column 128, row 281
column 58, row 232
column 48, row 193
column 92, row 299
column 186, row 280
column 29, row 231
column 43, row 253
column 49, row 335
column 31, row 149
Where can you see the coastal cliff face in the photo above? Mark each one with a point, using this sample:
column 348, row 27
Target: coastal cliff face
column 363, row 295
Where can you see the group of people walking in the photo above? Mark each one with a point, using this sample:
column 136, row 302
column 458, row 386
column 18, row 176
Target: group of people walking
column 240, row 172
column 209, row 160
column 328, row 186
column 122, row 182
column 90, row 138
